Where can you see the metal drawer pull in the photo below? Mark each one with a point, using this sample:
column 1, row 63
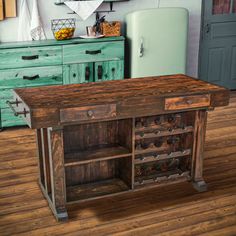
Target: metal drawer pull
column 34, row 57
column 87, row 73
column 31, row 77
column 100, row 72
column 10, row 104
column 93, row 52
column 90, row 113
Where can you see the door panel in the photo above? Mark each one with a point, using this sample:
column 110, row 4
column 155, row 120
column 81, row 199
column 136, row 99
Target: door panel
column 233, row 66
column 78, row 73
column 225, row 29
column 110, row 70
column 216, row 63
column 218, row 43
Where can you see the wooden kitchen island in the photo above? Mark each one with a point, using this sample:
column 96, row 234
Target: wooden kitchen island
column 107, row 138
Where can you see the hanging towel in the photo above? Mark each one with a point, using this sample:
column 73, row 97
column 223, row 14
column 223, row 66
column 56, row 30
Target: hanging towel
column 24, row 22
column 84, row 8
column 37, row 32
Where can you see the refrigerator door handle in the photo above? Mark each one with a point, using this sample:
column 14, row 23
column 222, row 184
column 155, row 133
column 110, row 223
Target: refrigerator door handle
column 141, row 49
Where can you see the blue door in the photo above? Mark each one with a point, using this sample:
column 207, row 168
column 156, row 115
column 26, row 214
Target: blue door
column 217, row 62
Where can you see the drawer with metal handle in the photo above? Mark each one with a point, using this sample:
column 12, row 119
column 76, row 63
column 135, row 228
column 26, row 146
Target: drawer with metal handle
column 187, row 102
column 30, row 57
column 30, row 77
column 80, row 114
column 92, row 52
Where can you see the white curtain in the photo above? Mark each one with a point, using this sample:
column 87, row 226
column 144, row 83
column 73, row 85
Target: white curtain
column 24, row 22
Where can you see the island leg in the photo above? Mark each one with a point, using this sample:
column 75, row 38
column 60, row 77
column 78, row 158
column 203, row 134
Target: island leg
column 198, row 149
column 56, row 157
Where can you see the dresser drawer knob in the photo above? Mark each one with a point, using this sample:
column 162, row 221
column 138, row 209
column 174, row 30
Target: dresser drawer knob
column 90, row 113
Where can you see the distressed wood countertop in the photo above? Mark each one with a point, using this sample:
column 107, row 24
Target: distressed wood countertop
column 55, row 105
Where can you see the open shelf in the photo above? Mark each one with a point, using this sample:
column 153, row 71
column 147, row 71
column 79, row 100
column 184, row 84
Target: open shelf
column 97, row 178
column 97, row 153
column 96, row 189
column 93, row 142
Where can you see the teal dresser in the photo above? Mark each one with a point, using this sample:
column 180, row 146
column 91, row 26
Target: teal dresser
column 51, row 62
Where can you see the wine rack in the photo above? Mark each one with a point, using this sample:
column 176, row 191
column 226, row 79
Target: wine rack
column 163, row 147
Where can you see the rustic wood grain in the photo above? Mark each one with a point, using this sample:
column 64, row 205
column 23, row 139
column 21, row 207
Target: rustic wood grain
column 132, row 97
column 56, row 156
column 185, row 102
column 88, row 113
column 198, row 147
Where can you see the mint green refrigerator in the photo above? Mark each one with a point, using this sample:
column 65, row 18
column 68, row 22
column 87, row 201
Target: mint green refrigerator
column 157, row 41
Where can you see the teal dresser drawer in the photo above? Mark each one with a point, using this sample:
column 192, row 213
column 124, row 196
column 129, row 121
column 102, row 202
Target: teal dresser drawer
column 8, row 119
column 30, row 77
column 5, row 95
column 30, row 57
column 93, row 52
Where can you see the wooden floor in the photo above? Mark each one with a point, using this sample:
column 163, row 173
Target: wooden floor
column 172, row 210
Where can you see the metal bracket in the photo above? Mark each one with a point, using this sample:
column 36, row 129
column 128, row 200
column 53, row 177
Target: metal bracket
column 11, row 103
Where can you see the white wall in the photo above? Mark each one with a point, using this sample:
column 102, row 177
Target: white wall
column 48, row 10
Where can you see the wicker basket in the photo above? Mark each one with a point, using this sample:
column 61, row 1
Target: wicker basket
column 110, row 29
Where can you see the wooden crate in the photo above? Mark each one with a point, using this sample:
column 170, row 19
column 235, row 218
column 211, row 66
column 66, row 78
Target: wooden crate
column 110, row 29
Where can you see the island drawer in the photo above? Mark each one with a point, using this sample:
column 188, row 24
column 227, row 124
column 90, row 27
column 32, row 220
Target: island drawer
column 30, row 77
column 30, row 57
column 93, row 52
column 87, row 113
column 186, row 102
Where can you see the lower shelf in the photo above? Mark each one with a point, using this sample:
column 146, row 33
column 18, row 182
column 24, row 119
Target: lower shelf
column 93, row 190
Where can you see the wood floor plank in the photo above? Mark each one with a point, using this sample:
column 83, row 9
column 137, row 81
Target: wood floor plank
column 112, row 219
column 158, row 228
column 206, row 226
column 226, row 231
